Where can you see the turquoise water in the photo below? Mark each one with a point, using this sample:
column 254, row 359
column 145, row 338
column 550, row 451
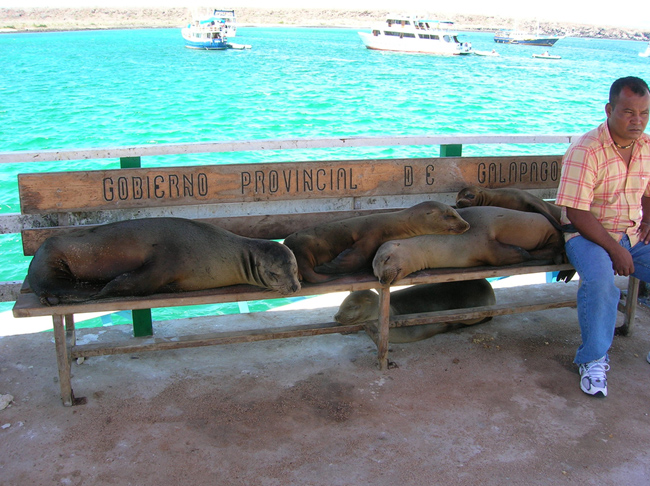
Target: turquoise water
column 134, row 87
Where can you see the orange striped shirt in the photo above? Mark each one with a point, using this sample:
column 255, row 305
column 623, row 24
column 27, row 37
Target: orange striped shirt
column 595, row 178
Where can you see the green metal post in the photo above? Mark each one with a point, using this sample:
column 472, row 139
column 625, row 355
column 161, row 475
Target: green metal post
column 454, row 150
column 142, row 322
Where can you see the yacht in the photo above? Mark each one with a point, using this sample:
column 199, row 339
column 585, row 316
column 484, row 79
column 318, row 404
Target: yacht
column 415, row 34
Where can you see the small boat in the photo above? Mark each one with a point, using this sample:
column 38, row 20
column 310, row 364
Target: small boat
column 232, row 45
column 645, row 53
column 210, row 30
column 546, row 55
column 507, row 36
column 417, row 35
column 491, row 53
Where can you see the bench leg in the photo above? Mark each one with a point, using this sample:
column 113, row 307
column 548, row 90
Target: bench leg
column 629, row 310
column 384, row 325
column 63, row 360
column 70, row 331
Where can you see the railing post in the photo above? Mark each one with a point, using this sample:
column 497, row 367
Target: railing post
column 453, row 150
column 142, row 322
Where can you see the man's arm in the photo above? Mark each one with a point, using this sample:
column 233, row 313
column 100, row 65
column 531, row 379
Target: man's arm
column 590, row 228
column 644, row 227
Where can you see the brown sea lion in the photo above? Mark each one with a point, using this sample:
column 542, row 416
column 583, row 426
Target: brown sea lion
column 363, row 305
column 146, row 256
column 348, row 245
column 497, row 236
column 509, row 198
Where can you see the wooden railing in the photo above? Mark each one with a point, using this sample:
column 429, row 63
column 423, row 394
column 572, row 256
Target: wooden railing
column 450, row 145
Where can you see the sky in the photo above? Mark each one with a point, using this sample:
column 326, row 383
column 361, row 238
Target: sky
column 631, row 14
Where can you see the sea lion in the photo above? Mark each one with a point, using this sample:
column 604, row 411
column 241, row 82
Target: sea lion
column 150, row 255
column 497, row 236
column 363, row 305
column 348, row 245
column 509, row 198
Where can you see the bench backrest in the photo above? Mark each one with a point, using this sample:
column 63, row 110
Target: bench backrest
column 268, row 200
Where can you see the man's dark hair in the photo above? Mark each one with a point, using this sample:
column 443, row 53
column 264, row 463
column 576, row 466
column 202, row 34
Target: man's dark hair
column 637, row 85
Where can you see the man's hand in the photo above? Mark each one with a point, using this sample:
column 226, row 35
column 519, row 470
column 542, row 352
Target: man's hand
column 622, row 262
column 644, row 228
column 589, row 227
column 644, row 232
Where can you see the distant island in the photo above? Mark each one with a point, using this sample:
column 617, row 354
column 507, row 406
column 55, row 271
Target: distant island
column 53, row 19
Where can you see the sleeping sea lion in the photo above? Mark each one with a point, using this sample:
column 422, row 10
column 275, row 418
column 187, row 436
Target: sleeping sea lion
column 509, row 198
column 497, row 237
column 150, row 255
column 363, row 305
column 348, row 245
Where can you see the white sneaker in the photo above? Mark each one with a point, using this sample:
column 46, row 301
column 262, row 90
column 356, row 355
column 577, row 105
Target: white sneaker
column 593, row 378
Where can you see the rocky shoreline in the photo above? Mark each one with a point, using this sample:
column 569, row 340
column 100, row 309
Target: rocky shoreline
column 51, row 19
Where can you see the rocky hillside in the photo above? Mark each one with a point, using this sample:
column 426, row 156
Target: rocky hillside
column 43, row 19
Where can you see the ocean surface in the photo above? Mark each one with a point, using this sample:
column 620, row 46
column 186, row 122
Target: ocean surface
column 133, row 87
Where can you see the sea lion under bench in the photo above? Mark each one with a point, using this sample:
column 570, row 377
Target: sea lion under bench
column 151, row 255
column 497, row 237
column 348, row 245
column 510, row 198
column 363, row 305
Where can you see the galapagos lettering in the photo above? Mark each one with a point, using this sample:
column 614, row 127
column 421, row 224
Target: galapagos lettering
column 514, row 172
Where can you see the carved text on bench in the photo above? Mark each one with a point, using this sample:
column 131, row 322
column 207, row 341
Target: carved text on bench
column 514, row 172
column 222, row 183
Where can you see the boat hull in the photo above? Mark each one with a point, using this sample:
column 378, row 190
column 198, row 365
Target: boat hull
column 542, row 41
column 207, row 47
column 486, row 53
column 210, row 46
column 541, row 56
column 193, row 42
column 411, row 45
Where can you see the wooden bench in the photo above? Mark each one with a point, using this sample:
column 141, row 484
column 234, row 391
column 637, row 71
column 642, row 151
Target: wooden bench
column 268, row 200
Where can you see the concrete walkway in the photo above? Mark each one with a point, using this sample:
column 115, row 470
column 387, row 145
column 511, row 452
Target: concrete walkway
column 492, row 404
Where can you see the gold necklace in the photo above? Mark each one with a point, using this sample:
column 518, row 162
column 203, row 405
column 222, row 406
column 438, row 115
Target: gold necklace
column 624, row 147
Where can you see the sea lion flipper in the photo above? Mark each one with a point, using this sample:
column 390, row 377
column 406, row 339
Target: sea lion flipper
column 502, row 254
column 347, row 261
column 565, row 275
column 546, row 209
column 144, row 280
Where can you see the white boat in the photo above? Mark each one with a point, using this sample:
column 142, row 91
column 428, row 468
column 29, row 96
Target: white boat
column 415, row 34
column 645, row 53
column 210, row 30
column 491, row 53
column 232, row 45
column 516, row 36
column 546, row 55
column 520, row 37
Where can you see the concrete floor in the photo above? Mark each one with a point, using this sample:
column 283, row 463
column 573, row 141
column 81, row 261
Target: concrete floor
column 492, row 404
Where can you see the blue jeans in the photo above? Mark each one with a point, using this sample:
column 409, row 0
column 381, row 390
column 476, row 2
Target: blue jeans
column 598, row 296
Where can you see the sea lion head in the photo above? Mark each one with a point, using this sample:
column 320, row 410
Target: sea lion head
column 387, row 265
column 469, row 196
column 359, row 306
column 276, row 268
column 438, row 218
